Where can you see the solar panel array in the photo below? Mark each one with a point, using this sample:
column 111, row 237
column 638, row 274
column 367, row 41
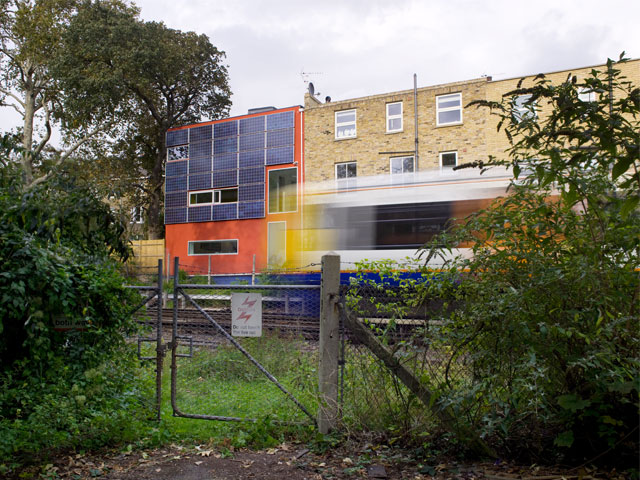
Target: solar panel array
column 226, row 154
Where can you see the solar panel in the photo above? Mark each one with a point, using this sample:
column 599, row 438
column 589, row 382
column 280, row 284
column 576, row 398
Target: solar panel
column 177, row 137
column 199, row 182
column 200, row 165
column 225, row 211
column 280, row 138
column 252, row 159
column 200, row 214
column 228, row 178
column 175, row 215
column 251, row 175
column 254, row 141
column 200, row 150
column 251, row 192
column 252, row 125
column 280, row 155
column 198, row 134
column 251, row 210
column 176, row 168
column 172, row 200
column 175, row 184
column 277, row 121
column 225, row 129
column 226, row 161
column 225, row 145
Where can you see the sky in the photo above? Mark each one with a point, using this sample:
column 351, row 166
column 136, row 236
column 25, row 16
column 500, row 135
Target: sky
column 354, row 48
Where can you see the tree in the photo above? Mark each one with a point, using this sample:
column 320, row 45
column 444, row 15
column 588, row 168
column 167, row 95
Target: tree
column 546, row 310
column 30, row 42
column 154, row 77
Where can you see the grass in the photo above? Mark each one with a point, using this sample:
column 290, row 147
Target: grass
column 222, row 381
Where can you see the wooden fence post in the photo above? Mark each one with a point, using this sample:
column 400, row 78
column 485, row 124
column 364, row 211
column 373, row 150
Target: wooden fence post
column 329, row 343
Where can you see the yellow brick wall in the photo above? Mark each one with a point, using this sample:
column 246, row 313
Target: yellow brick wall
column 371, row 146
column 497, row 141
column 474, row 139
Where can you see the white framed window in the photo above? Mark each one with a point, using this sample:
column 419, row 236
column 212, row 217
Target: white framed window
column 449, row 109
column 523, row 109
column 586, row 94
column 346, row 174
column 401, row 165
column 137, row 215
column 213, row 247
column 394, row 117
column 346, row 124
column 177, row 153
column 209, row 197
column 448, row 160
column 283, row 190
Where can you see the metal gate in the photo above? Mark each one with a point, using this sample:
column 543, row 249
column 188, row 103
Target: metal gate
column 216, row 375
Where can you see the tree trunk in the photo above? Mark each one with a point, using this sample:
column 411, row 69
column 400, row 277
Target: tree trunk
column 155, row 219
column 27, row 133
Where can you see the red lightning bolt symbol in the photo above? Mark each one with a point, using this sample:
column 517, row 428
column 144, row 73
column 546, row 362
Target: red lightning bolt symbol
column 248, row 303
column 244, row 316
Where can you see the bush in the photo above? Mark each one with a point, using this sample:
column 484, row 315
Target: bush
column 73, row 387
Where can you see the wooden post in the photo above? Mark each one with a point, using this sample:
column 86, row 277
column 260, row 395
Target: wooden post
column 329, row 343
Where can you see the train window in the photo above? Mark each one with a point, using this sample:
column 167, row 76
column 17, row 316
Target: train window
column 401, row 165
column 448, row 160
column 394, row 117
column 449, row 109
column 213, row 247
column 346, row 124
column 283, row 191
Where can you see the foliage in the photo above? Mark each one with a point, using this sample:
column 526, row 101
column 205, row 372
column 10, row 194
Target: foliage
column 61, row 388
column 546, row 310
column 146, row 75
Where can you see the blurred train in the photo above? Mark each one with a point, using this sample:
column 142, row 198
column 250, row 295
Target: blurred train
column 388, row 217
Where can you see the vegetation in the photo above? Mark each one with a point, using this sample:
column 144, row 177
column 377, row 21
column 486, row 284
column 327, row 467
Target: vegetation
column 539, row 329
column 76, row 387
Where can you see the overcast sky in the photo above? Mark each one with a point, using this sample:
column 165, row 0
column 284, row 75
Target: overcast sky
column 353, row 48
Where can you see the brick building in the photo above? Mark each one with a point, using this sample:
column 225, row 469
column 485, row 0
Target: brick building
column 377, row 134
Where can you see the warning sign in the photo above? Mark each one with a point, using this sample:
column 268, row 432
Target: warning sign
column 246, row 314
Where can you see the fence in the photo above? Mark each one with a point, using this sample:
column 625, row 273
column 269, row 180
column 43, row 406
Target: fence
column 144, row 260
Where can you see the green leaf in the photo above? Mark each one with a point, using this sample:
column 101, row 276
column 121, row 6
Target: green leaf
column 629, row 205
column 565, row 439
column 620, row 167
column 573, row 402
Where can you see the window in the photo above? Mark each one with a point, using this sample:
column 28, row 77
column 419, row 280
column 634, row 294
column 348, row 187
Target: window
column 136, row 215
column 449, row 109
column 276, row 243
column 448, row 160
column 394, row 117
column 346, row 124
column 346, row 174
column 208, row 197
column 283, row 190
column 523, row 109
column 177, row 153
column 586, row 95
column 401, row 165
column 214, row 247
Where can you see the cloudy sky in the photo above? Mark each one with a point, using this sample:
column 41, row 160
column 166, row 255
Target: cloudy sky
column 352, row 48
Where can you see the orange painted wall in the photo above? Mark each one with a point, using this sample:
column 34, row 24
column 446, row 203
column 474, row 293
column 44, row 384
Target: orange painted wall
column 251, row 233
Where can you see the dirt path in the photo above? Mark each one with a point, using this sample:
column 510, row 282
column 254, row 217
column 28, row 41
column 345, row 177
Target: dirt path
column 290, row 462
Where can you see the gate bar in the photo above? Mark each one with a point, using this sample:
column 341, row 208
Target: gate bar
column 174, row 344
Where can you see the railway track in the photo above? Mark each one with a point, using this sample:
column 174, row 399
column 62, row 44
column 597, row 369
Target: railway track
column 190, row 321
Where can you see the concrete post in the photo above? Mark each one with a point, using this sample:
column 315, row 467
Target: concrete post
column 329, row 343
